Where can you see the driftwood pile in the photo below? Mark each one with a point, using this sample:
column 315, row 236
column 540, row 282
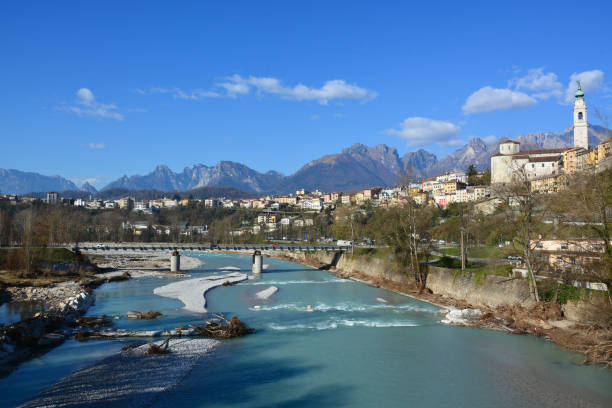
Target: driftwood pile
column 221, row 328
column 150, row 315
column 159, row 349
column 92, row 321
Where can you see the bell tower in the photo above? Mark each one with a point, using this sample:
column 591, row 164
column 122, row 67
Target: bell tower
column 581, row 133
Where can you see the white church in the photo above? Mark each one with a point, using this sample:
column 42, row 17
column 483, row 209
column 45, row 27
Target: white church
column 543, row 162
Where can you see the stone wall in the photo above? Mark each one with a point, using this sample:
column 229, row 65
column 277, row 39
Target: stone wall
column 479, row 290
column 593, row 308
column 374, row 268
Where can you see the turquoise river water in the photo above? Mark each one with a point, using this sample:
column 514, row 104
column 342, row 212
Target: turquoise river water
column 351, row 351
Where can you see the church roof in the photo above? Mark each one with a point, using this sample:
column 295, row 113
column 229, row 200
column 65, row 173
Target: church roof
column 544, row 159
column 506, row 140
column 543, row 151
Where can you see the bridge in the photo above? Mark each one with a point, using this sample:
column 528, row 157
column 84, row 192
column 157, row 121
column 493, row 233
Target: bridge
column 101, row 247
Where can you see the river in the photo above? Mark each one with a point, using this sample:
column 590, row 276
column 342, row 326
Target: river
column 352, row 350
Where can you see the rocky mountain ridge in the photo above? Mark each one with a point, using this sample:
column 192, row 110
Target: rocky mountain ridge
column 355, row 167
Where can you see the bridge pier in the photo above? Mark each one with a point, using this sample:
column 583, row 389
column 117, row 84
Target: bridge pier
column 257, row 262
column 175, row 262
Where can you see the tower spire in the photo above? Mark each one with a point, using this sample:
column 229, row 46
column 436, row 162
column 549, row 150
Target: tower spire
column 581, row 135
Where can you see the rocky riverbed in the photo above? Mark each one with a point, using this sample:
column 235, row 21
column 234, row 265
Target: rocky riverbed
column 60, row 305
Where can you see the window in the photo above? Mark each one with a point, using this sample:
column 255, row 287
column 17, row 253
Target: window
column 533, row 166
column 579, row 115
column 542, row 164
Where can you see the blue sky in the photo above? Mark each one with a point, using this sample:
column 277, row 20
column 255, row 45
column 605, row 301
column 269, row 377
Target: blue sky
column 95, row 90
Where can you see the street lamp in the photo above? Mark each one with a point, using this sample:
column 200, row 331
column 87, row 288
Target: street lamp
column 462, row 229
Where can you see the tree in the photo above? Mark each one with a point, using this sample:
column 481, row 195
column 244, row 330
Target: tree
column 409, row 236
column 524, row 201
column 588, row 199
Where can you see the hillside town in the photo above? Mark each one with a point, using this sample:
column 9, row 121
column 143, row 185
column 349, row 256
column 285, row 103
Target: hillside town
column 546, row 170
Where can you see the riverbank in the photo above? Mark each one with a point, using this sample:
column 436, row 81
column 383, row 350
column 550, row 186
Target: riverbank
column 497, row 312
column 56, row 307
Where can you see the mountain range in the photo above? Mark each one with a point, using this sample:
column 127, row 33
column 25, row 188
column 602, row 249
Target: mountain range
column 353, row 168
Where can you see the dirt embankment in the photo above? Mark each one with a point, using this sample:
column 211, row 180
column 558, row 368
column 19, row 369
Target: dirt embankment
column 506, row 303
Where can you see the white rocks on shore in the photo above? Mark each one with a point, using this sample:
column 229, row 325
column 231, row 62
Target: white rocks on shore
column 461, row 316
column 64, row 297
column 266, row 293
column 192, row 291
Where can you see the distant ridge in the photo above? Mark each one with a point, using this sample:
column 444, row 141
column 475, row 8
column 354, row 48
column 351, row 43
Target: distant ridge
column 354, row 168
column 21, row 182
column 116, row 193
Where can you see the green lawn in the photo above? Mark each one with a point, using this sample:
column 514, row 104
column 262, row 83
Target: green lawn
column 474, row 267
column 381, row 253
column 481, row 252
column 450, row 251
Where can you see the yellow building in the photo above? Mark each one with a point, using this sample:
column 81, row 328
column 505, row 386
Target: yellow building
column 549, row 184
column 451, row 187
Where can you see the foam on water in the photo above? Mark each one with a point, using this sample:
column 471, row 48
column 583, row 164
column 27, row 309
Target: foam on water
column 335, row 323
column 297, row 282
column 348, row 307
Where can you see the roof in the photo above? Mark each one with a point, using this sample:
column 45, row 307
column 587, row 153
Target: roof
column 543, row 151
column 545, row 159
column 509, row 141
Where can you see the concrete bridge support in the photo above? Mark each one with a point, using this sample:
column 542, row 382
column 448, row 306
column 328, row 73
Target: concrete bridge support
column 257, row 261
column 175, row 261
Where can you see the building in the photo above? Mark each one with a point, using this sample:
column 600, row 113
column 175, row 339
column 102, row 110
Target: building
column 52, row 198
column 544, row 163
column 575, row 160
column 211, row 202
column 549, row 184
column 125, row 203
column 573, row 254
column 452, row 175
column 451, row 186
column 581, row 135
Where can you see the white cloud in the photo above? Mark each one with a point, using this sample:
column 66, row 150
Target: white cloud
column 86, row 96
column 544, row 85
column 421, row 131
column 96, row 146
column 338, row 115
column 489, row 99
column 314, row 117
column 179, row 93
column 236, row 85
column 88, row 106
column 590, row 81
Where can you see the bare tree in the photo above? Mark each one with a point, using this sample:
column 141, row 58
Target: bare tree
column 409, row 235
column 524, row 201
